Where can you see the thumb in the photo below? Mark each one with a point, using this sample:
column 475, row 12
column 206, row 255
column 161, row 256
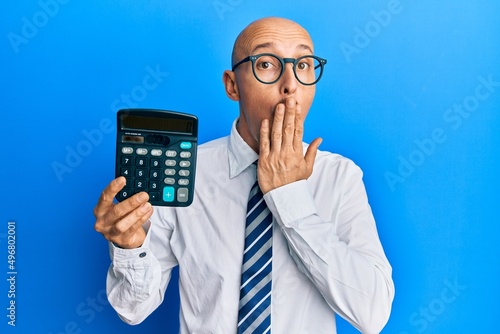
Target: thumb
column 311, row 153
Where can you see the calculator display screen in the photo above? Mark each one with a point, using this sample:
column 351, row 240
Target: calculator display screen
column 157, row 123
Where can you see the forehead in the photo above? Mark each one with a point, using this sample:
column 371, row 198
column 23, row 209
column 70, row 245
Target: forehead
column 279, row 37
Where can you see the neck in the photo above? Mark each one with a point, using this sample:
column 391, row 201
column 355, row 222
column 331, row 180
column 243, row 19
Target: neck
column 246, row 134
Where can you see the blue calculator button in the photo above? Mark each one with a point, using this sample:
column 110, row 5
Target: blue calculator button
column 185, row 145
column 168, row 194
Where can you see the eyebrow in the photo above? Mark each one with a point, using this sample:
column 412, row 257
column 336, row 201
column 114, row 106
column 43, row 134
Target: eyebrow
column 272, row 44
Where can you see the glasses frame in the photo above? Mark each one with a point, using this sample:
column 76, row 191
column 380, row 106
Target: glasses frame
column 283, row 61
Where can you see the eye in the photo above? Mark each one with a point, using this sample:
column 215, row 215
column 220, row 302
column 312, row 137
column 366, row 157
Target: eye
column 265, row 65
column 303, row 65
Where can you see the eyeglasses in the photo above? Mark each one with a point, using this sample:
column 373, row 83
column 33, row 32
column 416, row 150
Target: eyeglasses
column 268, row 68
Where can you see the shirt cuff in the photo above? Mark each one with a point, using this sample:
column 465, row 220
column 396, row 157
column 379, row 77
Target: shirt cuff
column 291, row 203
column 124, row 255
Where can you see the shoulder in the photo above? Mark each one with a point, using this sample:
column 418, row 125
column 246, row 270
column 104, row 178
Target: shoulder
column 212, row 147
column 328, row 159
column 212, row 156
column 334, row 180
column 335, row 167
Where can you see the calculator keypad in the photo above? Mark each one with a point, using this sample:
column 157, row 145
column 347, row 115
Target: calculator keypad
column 164, row 173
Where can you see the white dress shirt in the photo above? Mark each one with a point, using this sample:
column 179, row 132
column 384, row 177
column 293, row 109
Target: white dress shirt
column 327, row 256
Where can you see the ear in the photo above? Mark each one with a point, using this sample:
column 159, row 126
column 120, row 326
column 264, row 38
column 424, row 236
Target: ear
column 229, row 80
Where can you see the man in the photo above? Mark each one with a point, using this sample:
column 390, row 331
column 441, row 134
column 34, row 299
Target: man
column 326, row 254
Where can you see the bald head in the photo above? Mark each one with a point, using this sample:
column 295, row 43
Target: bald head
column 262, row 33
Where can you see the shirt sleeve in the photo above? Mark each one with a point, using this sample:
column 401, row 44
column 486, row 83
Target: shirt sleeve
column 137, row 278
column 342, row 254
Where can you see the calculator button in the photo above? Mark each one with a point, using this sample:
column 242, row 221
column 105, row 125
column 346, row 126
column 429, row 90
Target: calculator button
column 169, row 172
column 168, row 194
column 153, row 196
column 155, row 173
column 127, row 150
column 127, row 161
column 171, row 153
column 185, row 145
column 169, row 180
column 125, row 172
column 141, row 151
column 182, row 194
column 185, row 154
column 141, row 162
column 155, row 162
column 184, row 172
column 156, row 153
column 184, row 164
column 140, row 173
column 140, row 184
column 154, row 185
column 183, row 182
column 125, row 193
column 170, row 163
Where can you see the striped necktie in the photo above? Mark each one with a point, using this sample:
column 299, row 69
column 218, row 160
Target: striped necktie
column 254, row 314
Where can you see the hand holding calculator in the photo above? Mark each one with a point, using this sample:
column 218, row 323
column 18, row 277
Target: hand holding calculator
column 156, row 153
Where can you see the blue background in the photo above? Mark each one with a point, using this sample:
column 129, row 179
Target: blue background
column 397, row 73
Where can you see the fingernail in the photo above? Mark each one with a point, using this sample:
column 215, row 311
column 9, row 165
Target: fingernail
column 146, row 207
column 280, row 108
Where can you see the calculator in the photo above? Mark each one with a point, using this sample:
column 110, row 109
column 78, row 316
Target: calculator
column 156, row 153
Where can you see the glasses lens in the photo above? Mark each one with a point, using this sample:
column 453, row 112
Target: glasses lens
column 308, row 70
column 267, row 68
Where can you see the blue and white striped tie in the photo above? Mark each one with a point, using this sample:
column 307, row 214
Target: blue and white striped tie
column 254, row 314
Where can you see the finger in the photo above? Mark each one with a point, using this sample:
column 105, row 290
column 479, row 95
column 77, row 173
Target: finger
column 289, row 123
column 298, row 134
column 132, row 221
column 311, row 152
column 130, row 237
column 264, row 138
column 144, row 218
column 120, row 210
column 277, row 127
column 106, row 199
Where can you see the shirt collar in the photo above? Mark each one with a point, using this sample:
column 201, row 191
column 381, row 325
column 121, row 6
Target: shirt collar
column 241, row 155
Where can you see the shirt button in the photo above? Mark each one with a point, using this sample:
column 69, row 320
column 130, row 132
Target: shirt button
column 143, row 254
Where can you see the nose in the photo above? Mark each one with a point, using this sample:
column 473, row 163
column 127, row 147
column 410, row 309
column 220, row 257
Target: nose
column 289, row 82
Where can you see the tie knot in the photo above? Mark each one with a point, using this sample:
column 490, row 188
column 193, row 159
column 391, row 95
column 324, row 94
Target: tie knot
column 256, row 164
